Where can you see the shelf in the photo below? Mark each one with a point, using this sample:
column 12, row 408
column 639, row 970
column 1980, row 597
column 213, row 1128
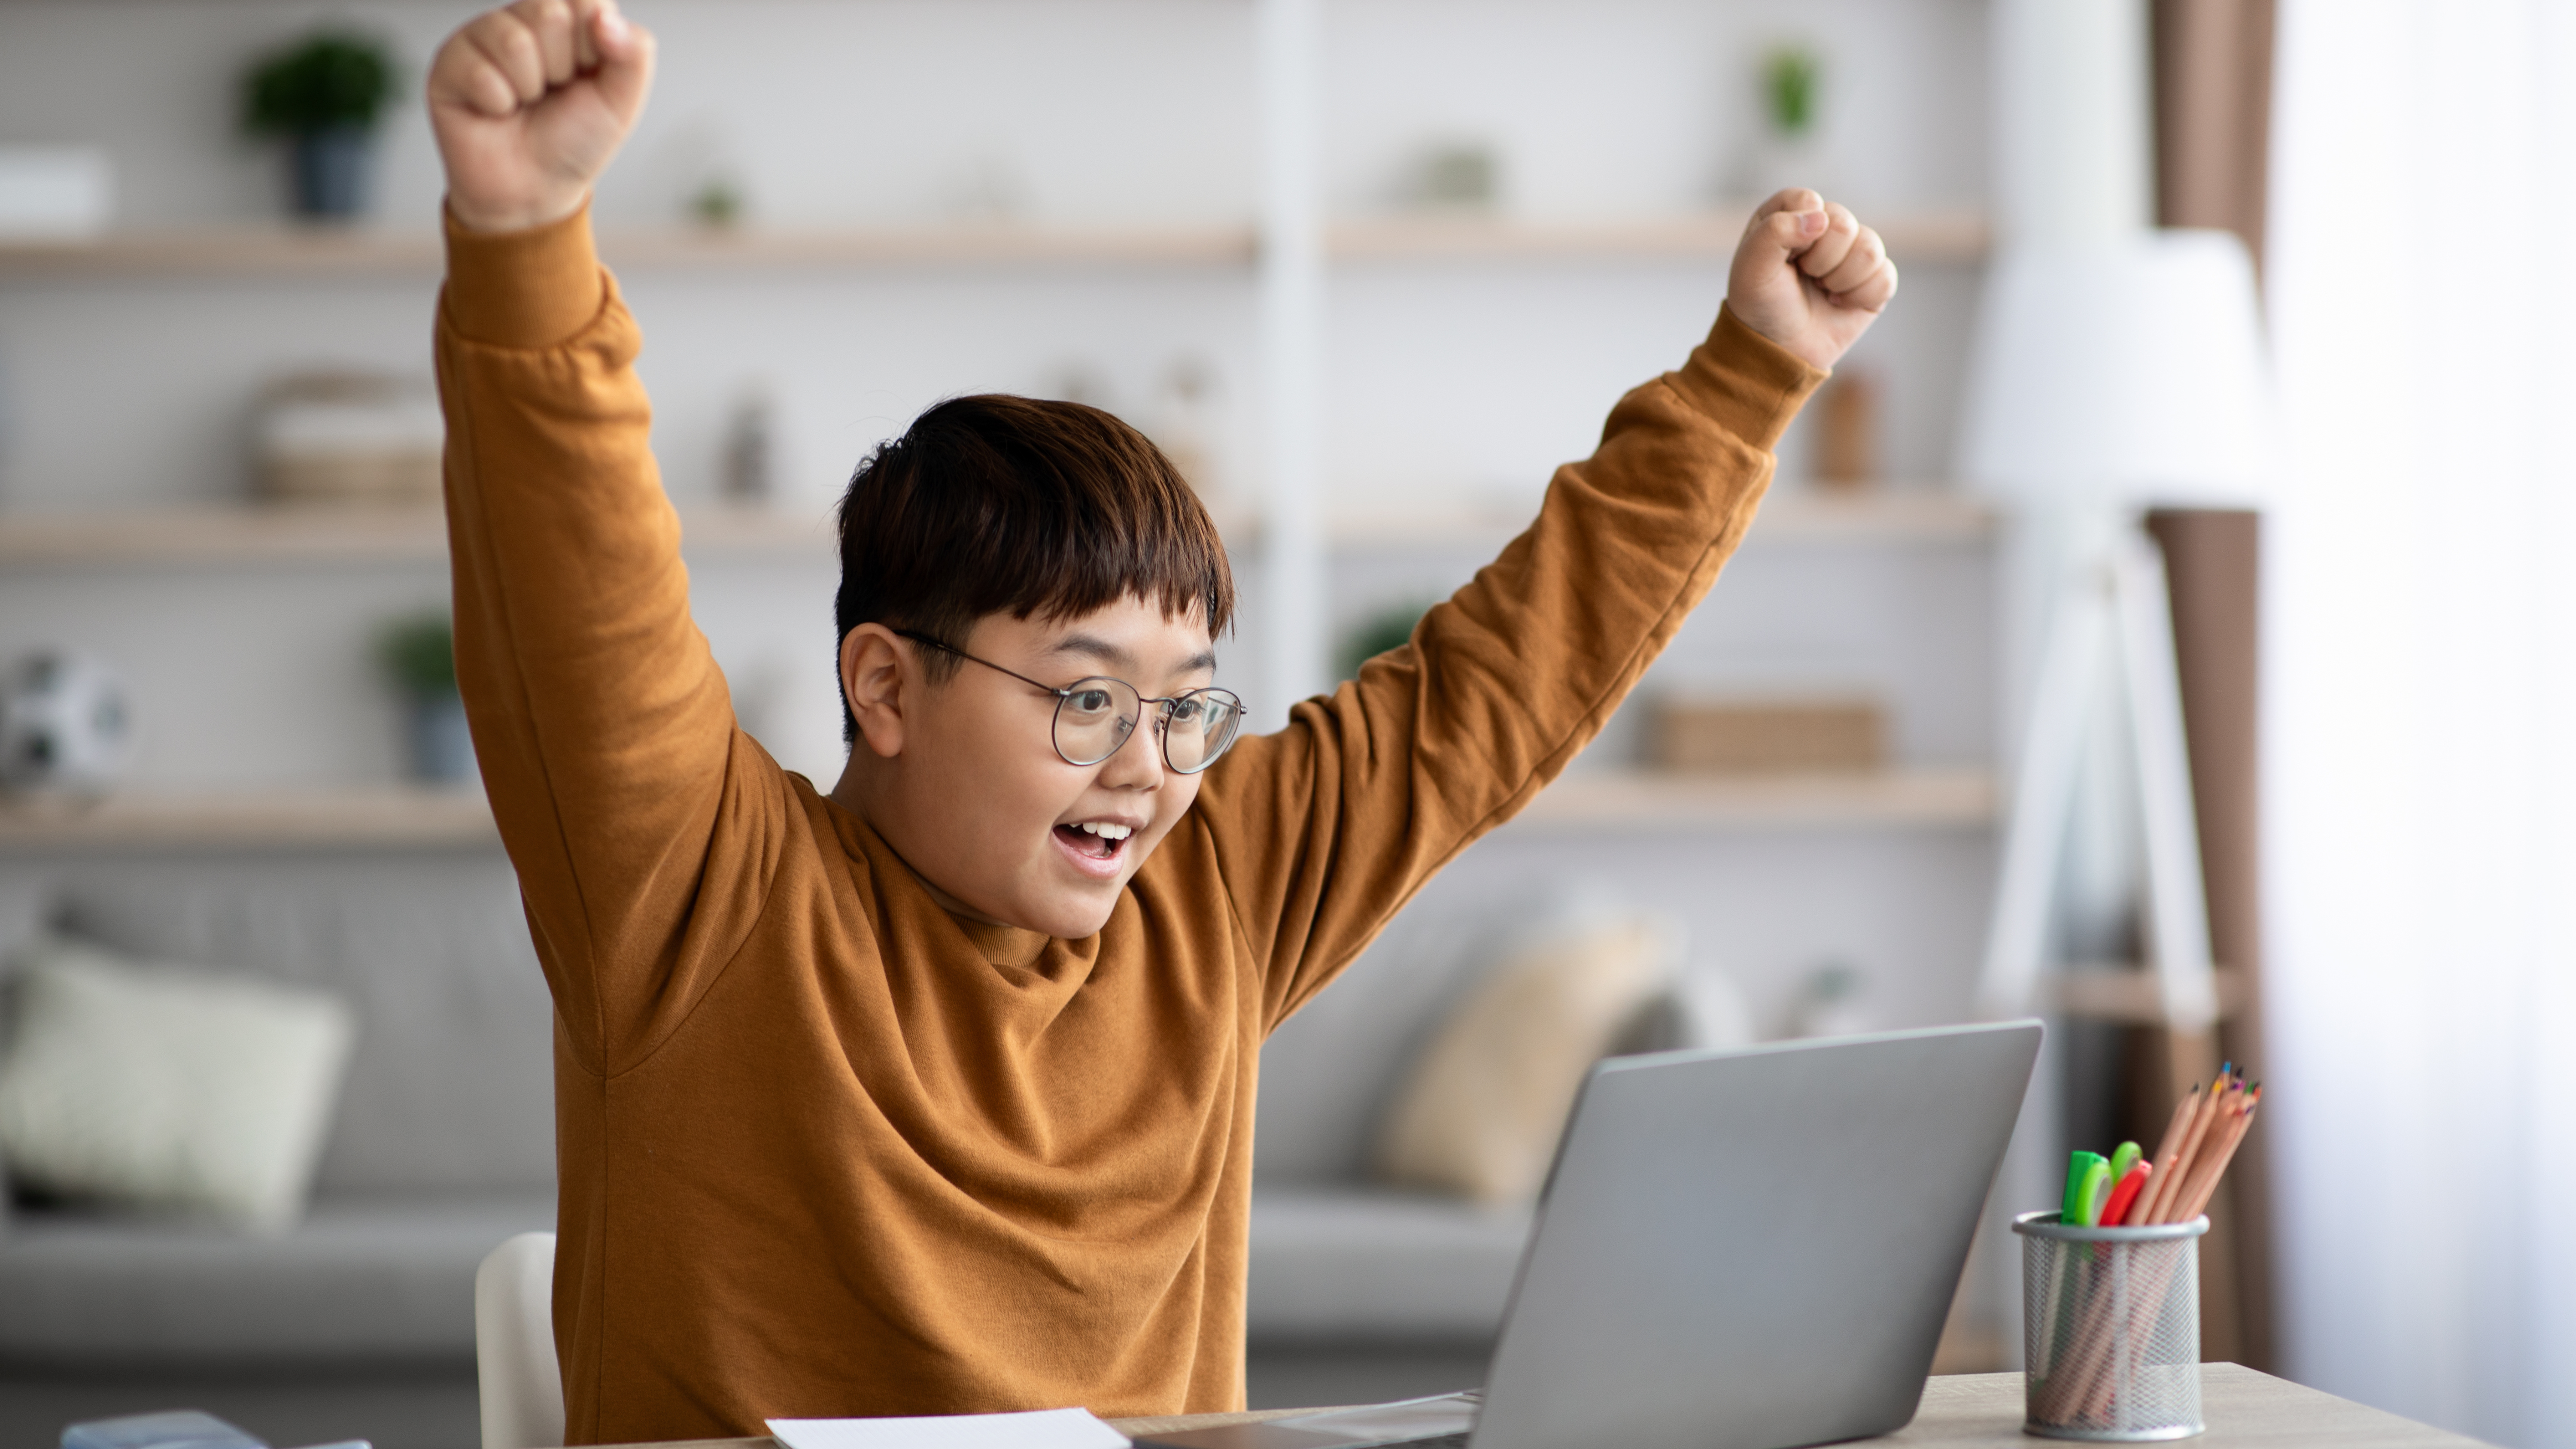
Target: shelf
column 395, row 817
column 2128, row 994
column 1895, row 513
column 259, row 535
column 316, row 253
column 1936, row 236
column 1628, row 800
column 288, row 818
column 244, row 535
column 311, row 253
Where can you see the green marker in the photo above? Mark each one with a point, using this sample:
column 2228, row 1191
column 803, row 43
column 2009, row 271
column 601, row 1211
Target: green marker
column 2088, row 1177
column 2124, row 1158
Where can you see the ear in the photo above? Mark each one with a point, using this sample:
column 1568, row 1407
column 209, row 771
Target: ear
column 878, row 679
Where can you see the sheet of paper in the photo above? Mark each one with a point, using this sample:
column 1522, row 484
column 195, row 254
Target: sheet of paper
column 1042, row 1429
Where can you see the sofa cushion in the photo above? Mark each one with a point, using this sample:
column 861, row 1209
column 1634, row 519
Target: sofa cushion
column 1356, row 1263
column 162, row 1086
column 451, row 1086
column 1488, row 1095
column 358, row 1279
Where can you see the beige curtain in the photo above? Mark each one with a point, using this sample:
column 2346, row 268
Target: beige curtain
column 2213, row 104
column 2213, row 68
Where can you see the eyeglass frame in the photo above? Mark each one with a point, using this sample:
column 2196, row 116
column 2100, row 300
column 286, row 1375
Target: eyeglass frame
column 1162, row 717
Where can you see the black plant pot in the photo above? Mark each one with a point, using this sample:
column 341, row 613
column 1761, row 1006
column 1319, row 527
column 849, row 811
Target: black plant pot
column 442, row 747
column 331, row 172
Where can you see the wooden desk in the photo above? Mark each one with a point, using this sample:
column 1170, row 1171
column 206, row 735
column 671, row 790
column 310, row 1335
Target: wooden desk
column 2245, row 1410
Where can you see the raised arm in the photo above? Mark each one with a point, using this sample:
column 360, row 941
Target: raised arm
column 1327, row 827
column 603, row 728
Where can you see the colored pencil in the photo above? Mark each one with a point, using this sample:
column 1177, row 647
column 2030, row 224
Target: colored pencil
column 2169, row 1175
column 2167, row 1148
column 2243, row 1124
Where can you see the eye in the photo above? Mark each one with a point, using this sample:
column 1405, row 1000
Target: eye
column 1090, row 701
column 1189, row 711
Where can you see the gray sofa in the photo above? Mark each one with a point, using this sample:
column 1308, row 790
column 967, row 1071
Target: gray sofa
column 443, row 1143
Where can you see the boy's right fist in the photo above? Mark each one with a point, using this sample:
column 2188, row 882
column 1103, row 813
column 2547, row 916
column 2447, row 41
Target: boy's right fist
column 529, row 102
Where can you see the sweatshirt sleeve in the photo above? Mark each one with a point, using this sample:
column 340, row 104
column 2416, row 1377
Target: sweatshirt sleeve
column 603, row 728
column 1324, row 829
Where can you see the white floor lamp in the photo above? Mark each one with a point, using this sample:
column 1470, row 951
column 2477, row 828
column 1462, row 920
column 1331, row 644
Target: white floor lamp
column 2107, row 378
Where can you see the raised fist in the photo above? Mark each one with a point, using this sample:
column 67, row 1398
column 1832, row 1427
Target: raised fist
column 1809, row 276
column 529, row 102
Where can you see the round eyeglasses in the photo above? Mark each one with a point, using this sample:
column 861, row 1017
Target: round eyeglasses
column 1095, row 716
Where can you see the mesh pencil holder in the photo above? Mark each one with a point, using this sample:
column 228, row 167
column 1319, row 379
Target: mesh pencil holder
column 2110, row 1330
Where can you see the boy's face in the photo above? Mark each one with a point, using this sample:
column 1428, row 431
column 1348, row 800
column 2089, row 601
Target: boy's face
column 977, row 800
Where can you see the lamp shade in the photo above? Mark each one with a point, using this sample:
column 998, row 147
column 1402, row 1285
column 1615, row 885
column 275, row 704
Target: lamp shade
column 2127, row 372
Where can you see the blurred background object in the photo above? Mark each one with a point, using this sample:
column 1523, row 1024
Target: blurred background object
column 1832, row 1001
column 1787, row 148
column 167, row 1091
column 349, row 437
column 1391, row 627
column 750, row 474
column 1457, row 176
column 323, row 95
column 55, row 193
column 1480, row 1107
column 65, row 727
column 1847, row 423
column 1769, row 736
column 418, row 656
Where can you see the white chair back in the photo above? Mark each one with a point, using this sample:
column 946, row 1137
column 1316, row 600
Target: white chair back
column 514, row 1345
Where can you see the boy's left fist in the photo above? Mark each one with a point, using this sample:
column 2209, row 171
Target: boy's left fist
column 529, row 102
column 1809, row 276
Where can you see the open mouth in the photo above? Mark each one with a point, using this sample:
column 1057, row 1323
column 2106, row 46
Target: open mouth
column 1095, row 839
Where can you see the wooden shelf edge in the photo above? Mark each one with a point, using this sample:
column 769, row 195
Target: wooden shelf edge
column 255, row 250
column 258, row 534
column 1651, row 800
column 1947, row 235
column 1895, row 512
column 285, row 818
column 400, row 816
column 2128, row 994
column 293, row 252
column 249, row 533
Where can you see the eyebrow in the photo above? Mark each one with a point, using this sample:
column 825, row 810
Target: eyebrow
column 1094, row 647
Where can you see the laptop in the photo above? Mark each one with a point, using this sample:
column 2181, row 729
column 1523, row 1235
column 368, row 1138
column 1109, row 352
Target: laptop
column 1747, row 1249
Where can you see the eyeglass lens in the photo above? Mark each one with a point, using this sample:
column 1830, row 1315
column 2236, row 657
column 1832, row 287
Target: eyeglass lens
column 1095, row 716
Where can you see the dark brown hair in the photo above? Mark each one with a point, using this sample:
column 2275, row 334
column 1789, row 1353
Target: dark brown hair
column 997, row 504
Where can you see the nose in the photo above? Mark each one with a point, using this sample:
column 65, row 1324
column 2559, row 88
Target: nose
column 1138, row 764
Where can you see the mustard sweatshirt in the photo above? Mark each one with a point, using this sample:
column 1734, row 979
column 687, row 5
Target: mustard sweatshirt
column 824, row 1149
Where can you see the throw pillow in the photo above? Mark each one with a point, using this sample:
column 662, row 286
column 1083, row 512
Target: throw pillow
column 1480, row 1111
column 168, row 1087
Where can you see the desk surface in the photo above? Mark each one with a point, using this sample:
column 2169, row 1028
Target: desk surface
column 2245, row 1410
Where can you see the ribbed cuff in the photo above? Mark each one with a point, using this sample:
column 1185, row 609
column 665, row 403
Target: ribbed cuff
column 535, row 288
column 1751, row 385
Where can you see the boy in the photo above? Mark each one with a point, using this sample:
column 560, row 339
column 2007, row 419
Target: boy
column 934, row 1094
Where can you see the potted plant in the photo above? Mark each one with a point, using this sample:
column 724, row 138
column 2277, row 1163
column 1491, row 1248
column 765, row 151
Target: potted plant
column 418, row 655
column 323, row 94
column 1785, row 149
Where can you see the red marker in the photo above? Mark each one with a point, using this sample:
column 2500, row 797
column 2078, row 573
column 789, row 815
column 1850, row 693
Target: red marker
column 2116, row 1211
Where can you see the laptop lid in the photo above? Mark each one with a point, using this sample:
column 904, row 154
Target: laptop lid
column 1754, row 1249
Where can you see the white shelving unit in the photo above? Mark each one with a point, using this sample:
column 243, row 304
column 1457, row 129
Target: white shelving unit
column 1862, row 552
